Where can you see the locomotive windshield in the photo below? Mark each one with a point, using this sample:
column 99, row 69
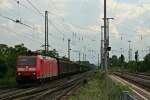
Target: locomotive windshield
column 26, row 61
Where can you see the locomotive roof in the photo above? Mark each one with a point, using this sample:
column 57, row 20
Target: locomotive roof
column 39, row 56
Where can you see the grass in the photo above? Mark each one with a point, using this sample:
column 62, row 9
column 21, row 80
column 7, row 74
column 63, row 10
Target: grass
column 100, row 88
column 8, row 81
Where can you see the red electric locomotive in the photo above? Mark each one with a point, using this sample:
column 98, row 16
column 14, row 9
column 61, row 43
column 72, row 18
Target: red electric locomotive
column 35, row 68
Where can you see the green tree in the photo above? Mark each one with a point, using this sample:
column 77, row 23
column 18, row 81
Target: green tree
column 21, row 49
column 132, row 66
column 85, row 62
column 122, row 58
column 114, row 61
column 65, row 58
column 3, row 60
column 3, row 67
column 8, row 57
column 146, row 63
column 136, row 56
column 52, row 53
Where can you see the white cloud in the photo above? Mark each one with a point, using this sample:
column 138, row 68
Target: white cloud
column 39, row 28
column 127, row 11
column 119, row 5
column 95, row 28
column 130, row 14
column 58, row 7
column 114, row 31
column 5, row 4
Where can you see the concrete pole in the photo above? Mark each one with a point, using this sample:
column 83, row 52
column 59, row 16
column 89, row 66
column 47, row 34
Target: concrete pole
column 69, row 49
column 105, row 37
column 46, row 33
column 102, row 48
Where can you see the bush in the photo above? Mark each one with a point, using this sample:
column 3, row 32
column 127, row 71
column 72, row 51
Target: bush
column 100, row 88
column 3, row 68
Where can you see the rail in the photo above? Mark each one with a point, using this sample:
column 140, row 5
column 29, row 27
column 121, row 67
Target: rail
column 127, row 96
column 52, row 90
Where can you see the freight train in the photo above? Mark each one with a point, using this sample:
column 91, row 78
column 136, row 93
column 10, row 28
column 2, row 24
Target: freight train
column 40, row 68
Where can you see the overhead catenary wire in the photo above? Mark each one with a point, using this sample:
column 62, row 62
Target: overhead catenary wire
column 74, row 25
column 16, row 21
column 43, row 16
column 38, row 11
column 29, row 9
column 34, row 7
column 25, row 36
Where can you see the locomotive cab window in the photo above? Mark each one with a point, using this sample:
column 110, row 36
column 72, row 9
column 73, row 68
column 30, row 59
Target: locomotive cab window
column 26, row 61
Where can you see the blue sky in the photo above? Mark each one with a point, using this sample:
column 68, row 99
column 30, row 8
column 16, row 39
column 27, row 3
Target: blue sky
column 81, row 17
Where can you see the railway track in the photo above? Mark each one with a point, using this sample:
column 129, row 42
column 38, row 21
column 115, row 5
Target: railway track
column 49, row 91
column 141, row 80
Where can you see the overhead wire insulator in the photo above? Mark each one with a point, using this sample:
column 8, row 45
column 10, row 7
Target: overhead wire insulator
column 17, row 21
column 19, row 14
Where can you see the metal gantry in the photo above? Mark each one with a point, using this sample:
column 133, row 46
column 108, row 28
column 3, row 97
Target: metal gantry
column 130, row 51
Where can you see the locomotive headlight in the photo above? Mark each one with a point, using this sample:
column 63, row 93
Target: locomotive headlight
column 34, row 73
column 19, row 74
